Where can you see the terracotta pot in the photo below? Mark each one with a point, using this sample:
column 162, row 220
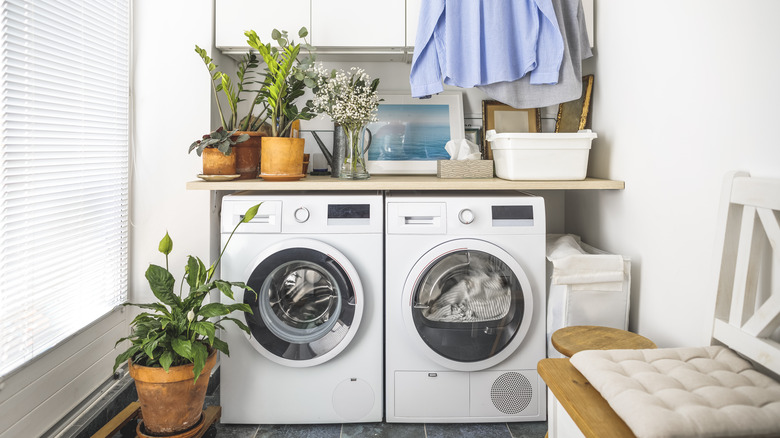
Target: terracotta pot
column 171, row 402
column 217, row 163
column 282, row 158
column 248, row 155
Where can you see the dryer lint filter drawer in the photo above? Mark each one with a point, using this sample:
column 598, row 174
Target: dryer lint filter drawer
column 416, row 218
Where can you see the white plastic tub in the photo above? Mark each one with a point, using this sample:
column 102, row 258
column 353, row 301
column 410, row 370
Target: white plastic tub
column 541, row 156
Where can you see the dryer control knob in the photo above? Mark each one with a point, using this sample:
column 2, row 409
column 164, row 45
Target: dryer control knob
column 301, row 214
column 466, row 216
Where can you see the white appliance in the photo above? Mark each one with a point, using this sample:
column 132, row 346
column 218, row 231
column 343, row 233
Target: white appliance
column 464, row 307
column 315, row 350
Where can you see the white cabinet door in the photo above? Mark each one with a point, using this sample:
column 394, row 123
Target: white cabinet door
column 412, row 16
column 357, row 23
column 233, row 17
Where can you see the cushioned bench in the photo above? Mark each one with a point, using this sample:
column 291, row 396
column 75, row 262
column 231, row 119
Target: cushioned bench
column 726, row 389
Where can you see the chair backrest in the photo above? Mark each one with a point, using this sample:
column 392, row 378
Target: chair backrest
column 748, row 220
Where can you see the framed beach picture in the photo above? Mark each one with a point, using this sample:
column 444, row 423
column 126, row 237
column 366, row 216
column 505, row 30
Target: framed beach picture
column 409, row 134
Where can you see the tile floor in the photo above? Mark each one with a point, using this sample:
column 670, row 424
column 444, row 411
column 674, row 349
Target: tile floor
column 378, row 430
column 361, row 430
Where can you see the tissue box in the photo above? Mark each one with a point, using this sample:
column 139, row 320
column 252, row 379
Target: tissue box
column 464, row 168
column 542, row 156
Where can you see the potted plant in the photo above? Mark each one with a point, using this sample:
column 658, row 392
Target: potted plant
column 250, row 127
column 173, row 343
column 285, row 81
column 216, row 148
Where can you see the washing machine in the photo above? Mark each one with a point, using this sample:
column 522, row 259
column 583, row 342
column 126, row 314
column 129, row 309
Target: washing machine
column 464, row 307
column 314, row 354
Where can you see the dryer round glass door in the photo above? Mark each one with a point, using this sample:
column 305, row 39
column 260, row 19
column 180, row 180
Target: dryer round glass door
column 307, row 303
column 467, row 304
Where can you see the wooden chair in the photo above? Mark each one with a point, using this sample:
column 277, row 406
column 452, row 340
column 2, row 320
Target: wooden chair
column 741, row 323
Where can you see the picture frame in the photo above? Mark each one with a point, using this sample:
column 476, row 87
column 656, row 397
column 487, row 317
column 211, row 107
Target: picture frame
column 410, row 134
column 504, row 118
column 575, row 115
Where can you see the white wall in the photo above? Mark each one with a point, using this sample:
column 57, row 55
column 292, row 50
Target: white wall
column 172, row 109
column 684, row 92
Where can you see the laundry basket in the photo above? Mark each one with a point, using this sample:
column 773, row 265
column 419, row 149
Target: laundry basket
column 586, row 286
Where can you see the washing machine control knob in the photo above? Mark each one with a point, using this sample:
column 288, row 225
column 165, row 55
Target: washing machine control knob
column 466, row 216
column 301, row 214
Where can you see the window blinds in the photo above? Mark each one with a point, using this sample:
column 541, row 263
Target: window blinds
column 64, row 126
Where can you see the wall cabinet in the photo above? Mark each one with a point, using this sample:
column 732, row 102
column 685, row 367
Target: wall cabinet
column 234, row 17
column 338, row 28
column 350, row 23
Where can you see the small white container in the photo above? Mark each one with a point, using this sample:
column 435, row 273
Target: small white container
column 541, row 156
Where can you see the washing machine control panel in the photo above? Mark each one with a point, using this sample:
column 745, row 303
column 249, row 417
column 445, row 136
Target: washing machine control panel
column 301, row 214
column 466, row 216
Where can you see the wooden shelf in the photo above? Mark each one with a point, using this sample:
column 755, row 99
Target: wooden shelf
column 406, row 182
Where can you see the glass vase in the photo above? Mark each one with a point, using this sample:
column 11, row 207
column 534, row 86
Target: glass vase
column 354, row 164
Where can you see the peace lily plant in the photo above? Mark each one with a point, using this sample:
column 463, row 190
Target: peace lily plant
column 178, row 331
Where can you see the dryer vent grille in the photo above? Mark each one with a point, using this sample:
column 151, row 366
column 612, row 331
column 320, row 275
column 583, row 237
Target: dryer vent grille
column 511, row 393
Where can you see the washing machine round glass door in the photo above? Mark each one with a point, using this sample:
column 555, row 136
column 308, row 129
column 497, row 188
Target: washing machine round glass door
column 467, row 304
column 307, row 304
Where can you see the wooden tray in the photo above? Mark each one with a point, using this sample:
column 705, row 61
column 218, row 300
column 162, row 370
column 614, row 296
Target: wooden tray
column 133, row 412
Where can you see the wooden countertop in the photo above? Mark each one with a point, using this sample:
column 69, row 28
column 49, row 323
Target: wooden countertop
column 406, row 182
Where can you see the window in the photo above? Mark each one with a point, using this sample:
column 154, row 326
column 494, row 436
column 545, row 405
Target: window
column 63, row 170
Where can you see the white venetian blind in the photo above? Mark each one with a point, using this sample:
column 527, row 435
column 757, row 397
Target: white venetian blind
column 63, row 170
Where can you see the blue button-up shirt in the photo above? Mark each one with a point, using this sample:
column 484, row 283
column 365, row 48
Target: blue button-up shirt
column 480, row 42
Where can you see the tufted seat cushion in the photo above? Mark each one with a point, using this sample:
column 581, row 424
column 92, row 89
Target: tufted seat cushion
column 682, row 392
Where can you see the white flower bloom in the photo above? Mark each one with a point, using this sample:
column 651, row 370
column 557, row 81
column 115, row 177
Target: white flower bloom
column 348, row 98
column 190, row 315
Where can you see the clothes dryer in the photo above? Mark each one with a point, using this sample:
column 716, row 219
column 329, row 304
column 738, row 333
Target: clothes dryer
column 314, row 354
column 464, row 307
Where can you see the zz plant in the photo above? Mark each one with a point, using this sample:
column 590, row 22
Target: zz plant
column 286, row 79
column 177, row 329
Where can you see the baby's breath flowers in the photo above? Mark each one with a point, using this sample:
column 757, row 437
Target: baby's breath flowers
column 349, row 98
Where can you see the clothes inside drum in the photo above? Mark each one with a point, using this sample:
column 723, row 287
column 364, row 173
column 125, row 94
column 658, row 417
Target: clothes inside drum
column 465, row 286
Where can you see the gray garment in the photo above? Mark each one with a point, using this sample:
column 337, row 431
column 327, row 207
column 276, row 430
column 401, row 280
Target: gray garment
column 521, row 94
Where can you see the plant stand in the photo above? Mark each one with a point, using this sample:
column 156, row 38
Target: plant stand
column 133, row 413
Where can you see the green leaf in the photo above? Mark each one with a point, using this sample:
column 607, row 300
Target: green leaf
column 193, row 272
column 122, row 358
column 225, row 288
column 213, row 309
column 275, row 34
column 150, row 346
column 161, row 282
column 153, row 306
column 221, row 345
column 206, row 329
column 240, row 324
column 166, row 359
column 182, row 347
column 241, row 307
column 166, row 244
column 303, row 32
column 200, row 354
column 251, row 213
